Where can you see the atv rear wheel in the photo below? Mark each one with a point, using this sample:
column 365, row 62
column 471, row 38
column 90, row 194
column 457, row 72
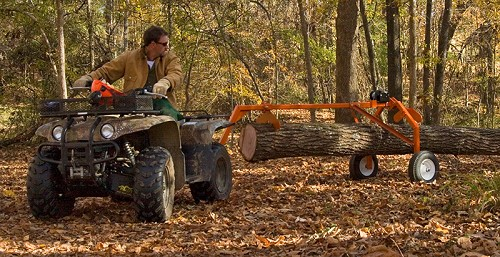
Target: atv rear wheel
column 154, row 185
column 220, row 184
column 44, row 189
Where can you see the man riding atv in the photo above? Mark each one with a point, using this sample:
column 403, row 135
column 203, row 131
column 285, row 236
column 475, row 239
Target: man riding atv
column 123, row 145
column 153, row 67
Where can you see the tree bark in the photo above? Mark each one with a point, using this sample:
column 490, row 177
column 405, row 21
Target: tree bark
column 63, row 92
column 412, row 55
column 426, row 95
column 443, row 43
column 90, row 24
column 260, row 142
column 125, row 26
column 304, row 28
column 394, row 73
column 346, row 89
column 109, row 18
column 369, row 45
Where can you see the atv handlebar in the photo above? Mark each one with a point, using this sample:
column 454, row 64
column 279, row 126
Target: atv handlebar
column 154, row 94
column 139, row 91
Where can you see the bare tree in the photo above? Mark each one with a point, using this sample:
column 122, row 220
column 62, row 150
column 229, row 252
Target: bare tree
column 90, row 28
column 346, row 80
column 447, row 30
column 125, row 25
column 62, row 57
column 369, row 45
column 426, row 95
column 412, row 55
column 394, row 77
column 307, row 57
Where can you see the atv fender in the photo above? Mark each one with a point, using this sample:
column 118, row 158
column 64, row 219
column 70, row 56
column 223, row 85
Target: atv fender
column 201, row 132
column 167, row 135
column 197, row 140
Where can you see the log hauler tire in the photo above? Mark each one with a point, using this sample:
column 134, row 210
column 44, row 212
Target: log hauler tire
column 363, row 166
column 423, row 166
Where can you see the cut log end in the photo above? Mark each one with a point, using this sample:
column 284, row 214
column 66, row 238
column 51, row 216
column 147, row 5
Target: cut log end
column 248, row 142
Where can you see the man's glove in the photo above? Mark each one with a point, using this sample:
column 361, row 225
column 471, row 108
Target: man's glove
column 84, row 81
column 161, row 87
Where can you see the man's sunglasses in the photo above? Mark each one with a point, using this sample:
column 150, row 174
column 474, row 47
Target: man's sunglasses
column 164, row 44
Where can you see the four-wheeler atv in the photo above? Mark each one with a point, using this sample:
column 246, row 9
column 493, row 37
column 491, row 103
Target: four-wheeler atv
column 112, row 144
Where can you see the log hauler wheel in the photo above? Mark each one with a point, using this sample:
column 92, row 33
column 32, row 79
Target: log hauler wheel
column 363, row 166
column 423, row 166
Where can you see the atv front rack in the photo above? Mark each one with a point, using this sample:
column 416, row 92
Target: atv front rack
column 128, row 104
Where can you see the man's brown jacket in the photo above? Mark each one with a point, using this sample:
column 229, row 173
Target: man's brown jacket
column 132, row 66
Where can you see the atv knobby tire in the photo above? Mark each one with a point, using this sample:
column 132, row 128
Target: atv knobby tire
column 220, row 184
column 154, row 185
column 44, row 189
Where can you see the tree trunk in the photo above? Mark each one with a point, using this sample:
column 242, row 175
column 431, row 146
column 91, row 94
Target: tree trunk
column 108, row 15
column 394, row 77
column 443, row 43
column 449, row 25
column 346, row 80
column 304, row 28
column 90, row 20
column 369, row 44
column 426, row 95
column 125, row 26
column 260, row 142
column 63, row 92
column 167, row 6
column 492, row 89
column 412, row 56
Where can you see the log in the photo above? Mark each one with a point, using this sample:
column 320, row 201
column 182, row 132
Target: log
column 260, row 142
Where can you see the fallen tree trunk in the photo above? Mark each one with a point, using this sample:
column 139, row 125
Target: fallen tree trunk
column 260, row 142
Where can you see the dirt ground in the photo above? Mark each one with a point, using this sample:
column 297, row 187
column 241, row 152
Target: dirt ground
column 287, row 207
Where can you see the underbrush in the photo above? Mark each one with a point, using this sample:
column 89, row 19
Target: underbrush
column 484, row 192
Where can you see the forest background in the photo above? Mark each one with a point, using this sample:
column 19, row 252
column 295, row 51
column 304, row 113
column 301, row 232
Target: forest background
column 437, row 56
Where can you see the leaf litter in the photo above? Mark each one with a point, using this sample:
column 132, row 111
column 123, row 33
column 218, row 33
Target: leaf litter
column 287, row 207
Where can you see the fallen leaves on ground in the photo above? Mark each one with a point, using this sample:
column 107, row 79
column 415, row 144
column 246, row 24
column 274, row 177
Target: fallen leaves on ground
column 288, row 207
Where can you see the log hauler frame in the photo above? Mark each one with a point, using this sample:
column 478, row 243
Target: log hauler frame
column 423, row 165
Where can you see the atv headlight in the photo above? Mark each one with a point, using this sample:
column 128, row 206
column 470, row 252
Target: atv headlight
column 107, row 131
column 57, row 132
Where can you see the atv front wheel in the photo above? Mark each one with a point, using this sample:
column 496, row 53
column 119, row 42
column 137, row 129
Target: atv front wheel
column 220, row 184
column 154, row 185
column 44, row 189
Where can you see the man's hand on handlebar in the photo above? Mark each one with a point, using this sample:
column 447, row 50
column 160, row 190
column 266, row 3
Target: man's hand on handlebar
column 83, row 82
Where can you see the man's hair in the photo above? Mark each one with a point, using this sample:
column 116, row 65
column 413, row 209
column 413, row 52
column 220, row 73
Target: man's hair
column 153, row 33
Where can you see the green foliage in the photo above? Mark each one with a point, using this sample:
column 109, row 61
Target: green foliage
column 230, row 50
column 484, row 192
column 17, row 119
